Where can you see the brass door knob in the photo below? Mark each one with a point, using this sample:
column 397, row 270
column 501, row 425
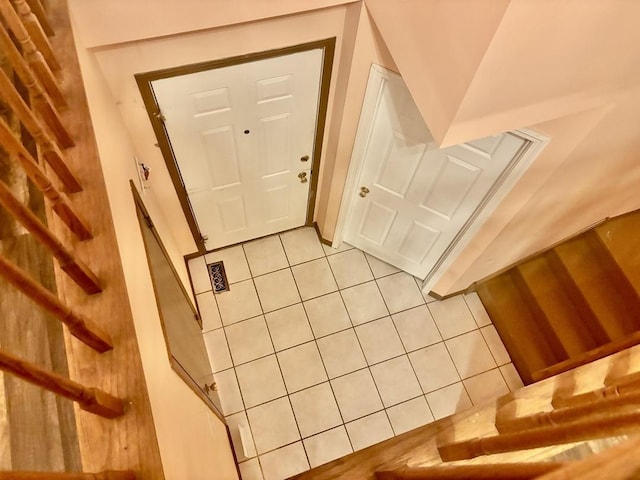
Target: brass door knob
column 304, row 158
column 303, row 177
column 363, row 192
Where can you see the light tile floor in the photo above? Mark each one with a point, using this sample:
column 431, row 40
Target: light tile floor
column 318, row 352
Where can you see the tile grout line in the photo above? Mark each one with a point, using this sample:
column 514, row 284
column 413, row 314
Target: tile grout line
column 403, row 347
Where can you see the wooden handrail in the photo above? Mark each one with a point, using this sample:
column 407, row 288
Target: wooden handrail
column 50, row 151
column 108, row 475
column 60, row 204
column 75, row 268
column 627, row 384
column 39, row 97
column 497, row 471
column 569, row 414
column 80, row 327
column 36, row 32
column 90, row 399
column 607, row 425
column 33, row 56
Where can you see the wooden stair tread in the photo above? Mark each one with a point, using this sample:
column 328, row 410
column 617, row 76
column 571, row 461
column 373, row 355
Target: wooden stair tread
column 515, row 323
column 560, row 313
column 588, row 357
column 621, row 237
column 602, row 283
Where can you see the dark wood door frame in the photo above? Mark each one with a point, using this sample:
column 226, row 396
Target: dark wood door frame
column 144, row 84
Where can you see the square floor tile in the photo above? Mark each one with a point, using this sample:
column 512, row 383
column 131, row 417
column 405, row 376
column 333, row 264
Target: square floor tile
column 314, row 278
column 239, row 303
column 215, row 342
column 511, row 377
column 301, row 245
column 470, row 354
column 235, row 263
column 350, row 268
column 341, row 353
column 228, row 391
column 409, row 415
column 486, row 386
column 250, row 470
column 400, row 292
column 327, row 446
column 208, row 308
column 379, row 340
column 356, row 394
column 380, row 268
column 289, row 327
column 273, row 425
column 241, row 435
column 284, row 462
column 260, row 381
column 301, row 367
column 277, row 290
column 396, row 381
column 200, row 280
column 448, row 400
column 364, row 303
column 495, row 344
column 477, row 309
column 416, row 328
column 315, row 409
column 452, row 316
column 248, row 340
column 265, row 255
column 329, row 250
column 327, row 314
column 434, row 367
column 369, row 430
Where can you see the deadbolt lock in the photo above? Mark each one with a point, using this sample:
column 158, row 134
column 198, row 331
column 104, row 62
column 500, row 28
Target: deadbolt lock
column 303, row 177
column 304, row 158
column 363, row 191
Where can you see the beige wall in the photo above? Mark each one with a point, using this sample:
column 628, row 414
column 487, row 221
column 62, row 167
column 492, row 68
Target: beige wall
column 193, row 442
column 109, row 22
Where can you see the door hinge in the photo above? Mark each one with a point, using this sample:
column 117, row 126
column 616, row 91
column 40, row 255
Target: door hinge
column 204, row 239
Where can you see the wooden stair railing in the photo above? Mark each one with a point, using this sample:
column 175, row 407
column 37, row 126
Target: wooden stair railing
column 495, row 471
column 90, row 399
column 621, row 386
column 108, row 475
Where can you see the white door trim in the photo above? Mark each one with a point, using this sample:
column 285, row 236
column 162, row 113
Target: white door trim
column 535, row 143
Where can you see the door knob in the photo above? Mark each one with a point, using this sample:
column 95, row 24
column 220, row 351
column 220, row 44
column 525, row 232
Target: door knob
column 303, row 177
column 363, row 191
column 304, row 158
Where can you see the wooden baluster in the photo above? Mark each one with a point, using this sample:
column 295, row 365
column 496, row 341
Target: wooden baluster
column 39, row 11
column 497, row 471
column 33, row 56
column 569, row 414
column 79, row 326
column 108, row 475
column 50, row 150
column 606, row 425
column 39, row 97
column 90, row 399
column 626, row 384
column 77, row 270
column 60, row 204
column 35, row 31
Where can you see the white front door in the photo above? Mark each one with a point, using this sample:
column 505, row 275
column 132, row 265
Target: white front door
column 413, row 199
column 243, row 139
